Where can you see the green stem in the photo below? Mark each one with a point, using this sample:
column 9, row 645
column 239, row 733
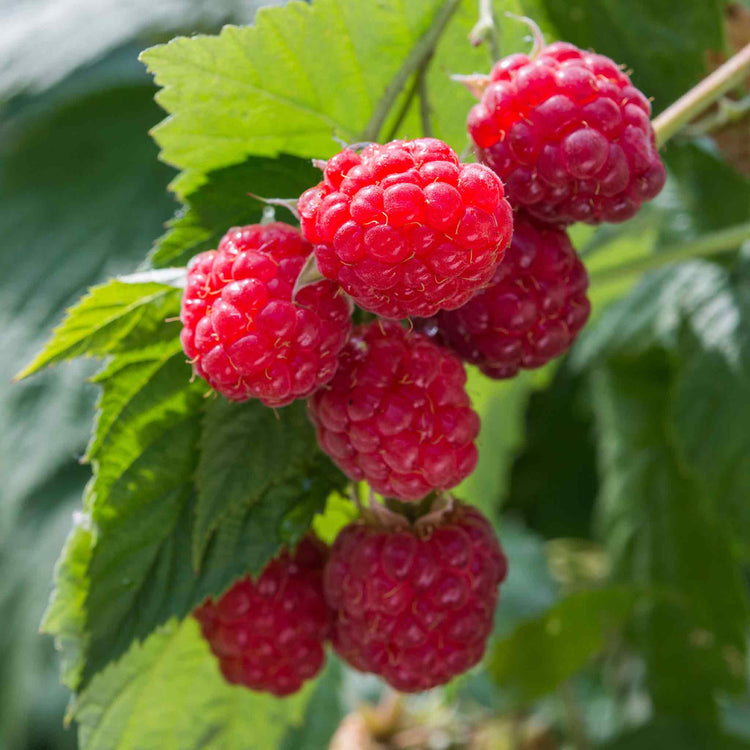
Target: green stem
column 421, row 51
column 702, row 96
column 710, row 244
column 403, row 110
column 424, row 103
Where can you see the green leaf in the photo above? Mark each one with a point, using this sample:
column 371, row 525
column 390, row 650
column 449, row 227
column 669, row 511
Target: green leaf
column 705, row 193
column 223, row 202
column 136, row 571
column 553, row 480
column 144, row 454
column 339, row 512
column 67, row 223
column 168, row 692
column 700, row 314
column 277, row 86
column 541, row 653
column 662, row 733
column 112, row 317
column 665, row 50
column 501, row 406
column 325, row 710
column 246, row 450
column 664, row 530
column 65, row 616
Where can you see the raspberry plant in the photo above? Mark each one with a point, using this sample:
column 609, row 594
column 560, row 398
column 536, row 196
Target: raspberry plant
column 634, row 444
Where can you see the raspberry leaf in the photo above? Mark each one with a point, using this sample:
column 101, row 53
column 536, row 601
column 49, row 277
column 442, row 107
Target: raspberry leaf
column 141, row 701
column 568, row 635
column 663, row 528
column 280, row 81
column 246, row 450
column 135, row 572
column 699, row 313
column 222, row 201
column 559, row 501
column 112, row 317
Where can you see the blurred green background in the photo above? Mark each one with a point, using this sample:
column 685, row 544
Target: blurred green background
column 83, row 197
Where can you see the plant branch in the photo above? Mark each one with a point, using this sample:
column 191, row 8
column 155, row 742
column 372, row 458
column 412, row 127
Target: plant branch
column 403, row 110
column 421, row 52
column 702, row 96
column 710, row 244
column 424, row 103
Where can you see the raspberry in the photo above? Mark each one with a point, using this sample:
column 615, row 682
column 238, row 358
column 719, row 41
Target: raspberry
column 569, row 136
column 269, row 635
column 242, row 330
column 415, row 606
column 404, row 228
column 530, row 314
column 397, row 413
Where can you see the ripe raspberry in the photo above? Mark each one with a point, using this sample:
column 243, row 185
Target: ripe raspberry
column 569, row 135
column 397, row 413
column 269, row 635
column 241, row 329
column 404, row 228
column 530, row 314
column 415, row 606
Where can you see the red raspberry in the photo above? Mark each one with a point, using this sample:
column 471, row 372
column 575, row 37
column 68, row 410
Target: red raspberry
column 404, row 228
column 415, row 606
column 397, row 413
column 241, row 329
column 569, row 135
column 269, row 635
column 530, row 314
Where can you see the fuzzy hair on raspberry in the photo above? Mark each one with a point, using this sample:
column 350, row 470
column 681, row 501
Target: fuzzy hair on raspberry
column 242, row 329
column 397, row 414
column 569, row 135
column 532, row 311
column 405, row 228
column 269, row 635
column 415, row 605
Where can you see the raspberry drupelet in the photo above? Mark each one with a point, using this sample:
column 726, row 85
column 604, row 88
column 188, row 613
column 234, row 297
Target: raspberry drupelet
column 569, row 135
column 405, row 228
column 241, row 329
column 412, row 605
column 532, row 311
column 269, row 634
column 397, row 413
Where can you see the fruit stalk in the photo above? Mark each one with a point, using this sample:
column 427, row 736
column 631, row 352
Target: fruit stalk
column 702, row 96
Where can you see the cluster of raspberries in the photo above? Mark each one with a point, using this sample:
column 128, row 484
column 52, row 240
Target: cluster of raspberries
column 413, row 604
column 449, row 263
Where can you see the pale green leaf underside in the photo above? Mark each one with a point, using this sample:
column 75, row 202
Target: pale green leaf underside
column 168, row 694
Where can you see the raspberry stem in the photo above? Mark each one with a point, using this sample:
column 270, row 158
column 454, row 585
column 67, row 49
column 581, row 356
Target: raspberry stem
column 675, row 117
column 421, row 52
column 710, row 244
